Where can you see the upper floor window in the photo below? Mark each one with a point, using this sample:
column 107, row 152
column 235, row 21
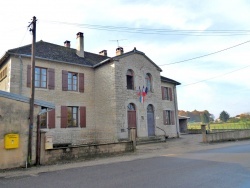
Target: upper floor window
column 3, row 73
column 148, row 81
column 40, row 77
column 130, row 79
column 166, row 93
column 44, row 78
column 72, row 81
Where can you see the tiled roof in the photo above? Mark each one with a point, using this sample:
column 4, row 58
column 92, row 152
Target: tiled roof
column 168, row 80
column 59, row 53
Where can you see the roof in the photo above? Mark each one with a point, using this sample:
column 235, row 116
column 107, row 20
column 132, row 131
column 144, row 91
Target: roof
column 168, row 80
column 134, row 51
column 49, row 51
column 183, row 117
column 21, row 98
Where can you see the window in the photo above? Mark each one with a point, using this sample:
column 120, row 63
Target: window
column 47, row 118
column 166, row 93
column 72, row 81
column 72, row 116
column 40, row 77
column 168, row 117
column 3, row 74
column 130, row 79
column 44, row 78
column 43, row 119
column 148, row 81
column 131, row 107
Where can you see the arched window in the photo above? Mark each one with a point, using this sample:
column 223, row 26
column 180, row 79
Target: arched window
column 150, row 108
column 131, row 107
column 148, row 81
column 130, row 79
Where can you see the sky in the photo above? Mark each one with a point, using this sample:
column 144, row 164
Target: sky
column 167, row 31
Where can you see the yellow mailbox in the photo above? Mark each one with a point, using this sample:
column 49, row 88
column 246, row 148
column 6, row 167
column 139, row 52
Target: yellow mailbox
column 11, row 141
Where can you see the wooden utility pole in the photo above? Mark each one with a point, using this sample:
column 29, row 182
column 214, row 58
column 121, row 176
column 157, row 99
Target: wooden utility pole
column 32, row 98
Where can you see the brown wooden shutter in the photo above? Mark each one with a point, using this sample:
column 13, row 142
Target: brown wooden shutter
column 164, row 117
column 64, row 116
column 163, row 93
column 172, row 118
column 29, row 76
column 51, row 83
column 52, row 119
column 170, row 94
column 65, row 80
column 82, row 116
column 81, row 82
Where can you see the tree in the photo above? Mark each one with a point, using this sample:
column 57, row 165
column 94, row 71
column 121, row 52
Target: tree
column 224, row 116
column 204, row 117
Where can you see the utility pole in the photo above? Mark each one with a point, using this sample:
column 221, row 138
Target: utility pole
column 32, row 98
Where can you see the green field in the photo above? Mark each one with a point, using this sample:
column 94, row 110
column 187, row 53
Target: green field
column 239, row 125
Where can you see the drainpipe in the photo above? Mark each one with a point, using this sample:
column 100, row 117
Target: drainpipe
column 176, row 112
column 21, row 76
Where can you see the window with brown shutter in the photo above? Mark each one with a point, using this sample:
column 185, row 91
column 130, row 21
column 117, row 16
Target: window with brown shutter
column 65, row 80
column 51, row 82
column 168, row 117
column 29, row 76
column 170, row 94
column 51, row 119
column 64, row 116
column 81, row 82
column 167, row 93
column 82, row 116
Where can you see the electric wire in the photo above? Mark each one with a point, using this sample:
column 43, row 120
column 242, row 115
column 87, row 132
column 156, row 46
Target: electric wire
column 206, row 54
column 157, row 31
column 215, row 76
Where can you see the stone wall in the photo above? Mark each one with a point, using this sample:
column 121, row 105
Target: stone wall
column 14, row 118
column 228, row 136
column 57, row 155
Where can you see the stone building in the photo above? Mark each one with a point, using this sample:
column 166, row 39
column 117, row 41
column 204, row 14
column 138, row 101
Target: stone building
column 97, row 98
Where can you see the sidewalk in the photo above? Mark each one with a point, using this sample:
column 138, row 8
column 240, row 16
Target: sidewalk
column 173, row 146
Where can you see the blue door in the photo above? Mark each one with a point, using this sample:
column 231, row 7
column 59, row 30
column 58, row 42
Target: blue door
column 150, row 120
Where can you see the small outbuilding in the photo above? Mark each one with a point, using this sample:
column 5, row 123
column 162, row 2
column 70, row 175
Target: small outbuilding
column 183, row 121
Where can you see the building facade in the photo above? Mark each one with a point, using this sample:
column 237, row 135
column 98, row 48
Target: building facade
column 97, row 98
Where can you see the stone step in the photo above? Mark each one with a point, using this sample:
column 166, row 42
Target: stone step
column 149, row 140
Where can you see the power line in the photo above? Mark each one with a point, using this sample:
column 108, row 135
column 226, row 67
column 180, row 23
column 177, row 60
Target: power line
column 206, row 54
column 158, row 31
column 215, row 76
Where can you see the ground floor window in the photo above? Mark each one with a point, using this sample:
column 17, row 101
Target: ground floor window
column 43, row 118
column 168, row 117
column 72, row 116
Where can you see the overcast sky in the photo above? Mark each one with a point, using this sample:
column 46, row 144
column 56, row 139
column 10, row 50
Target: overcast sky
column 176, row 41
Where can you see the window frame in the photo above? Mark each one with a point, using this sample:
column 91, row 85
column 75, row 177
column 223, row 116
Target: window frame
column 73, row 76
column 168, row 117
column 167, row 93
column 41, row 76
column 44, row 117
column 74, row 110
column 130, row 79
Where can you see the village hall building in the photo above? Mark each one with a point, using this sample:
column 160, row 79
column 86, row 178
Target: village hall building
column 97, row 98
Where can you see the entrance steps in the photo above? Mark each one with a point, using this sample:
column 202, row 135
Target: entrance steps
column 149, row 140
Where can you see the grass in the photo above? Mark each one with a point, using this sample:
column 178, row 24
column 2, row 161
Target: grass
column 238, row 125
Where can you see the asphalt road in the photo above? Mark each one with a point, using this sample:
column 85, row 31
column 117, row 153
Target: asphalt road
column 227, row 166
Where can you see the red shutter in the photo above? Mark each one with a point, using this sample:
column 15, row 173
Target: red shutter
column 82, row 116
column 170, row 94
column 29, row 76
column 164, row 117
column 172, row 118
column 51, row 120
column 64, row 116
column 163, row 92
column 81, row 82
column 65, row 80
column 51, row 83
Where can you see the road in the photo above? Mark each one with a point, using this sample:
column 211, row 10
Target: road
column 225, row 166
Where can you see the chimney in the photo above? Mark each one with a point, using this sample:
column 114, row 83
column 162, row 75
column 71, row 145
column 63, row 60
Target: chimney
column 119, row 51
column 79, row 44
column 103, row 53
column 67, row 44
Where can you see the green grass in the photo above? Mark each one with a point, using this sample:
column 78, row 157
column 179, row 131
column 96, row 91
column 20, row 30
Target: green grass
column 239, row 125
